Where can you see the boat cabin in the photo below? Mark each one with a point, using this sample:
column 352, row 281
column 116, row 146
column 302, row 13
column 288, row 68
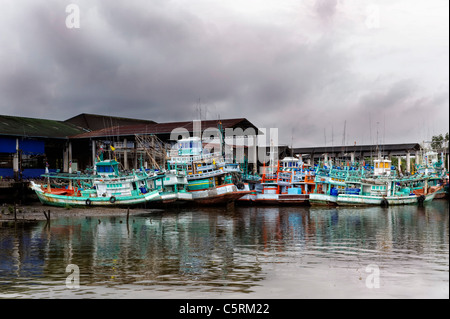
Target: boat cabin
column 107, row 168
column 189, row 146
column 291, row 163
column 382, row 167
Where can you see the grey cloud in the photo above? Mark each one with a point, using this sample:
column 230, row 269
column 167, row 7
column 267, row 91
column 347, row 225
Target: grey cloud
column 389, row 98
column 156, row 59
column 325, row 8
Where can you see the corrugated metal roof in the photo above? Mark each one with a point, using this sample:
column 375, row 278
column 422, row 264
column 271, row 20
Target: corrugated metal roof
column 358, row 148
column 93, row 122
column 165, row 128
column 31, row 127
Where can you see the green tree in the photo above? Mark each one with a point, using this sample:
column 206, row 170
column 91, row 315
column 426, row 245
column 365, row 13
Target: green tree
column 438, row 142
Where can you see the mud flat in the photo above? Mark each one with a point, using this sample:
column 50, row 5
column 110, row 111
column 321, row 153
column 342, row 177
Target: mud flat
column 36, row 211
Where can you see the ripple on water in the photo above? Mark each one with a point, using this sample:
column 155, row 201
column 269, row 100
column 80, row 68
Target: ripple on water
column 262, row 252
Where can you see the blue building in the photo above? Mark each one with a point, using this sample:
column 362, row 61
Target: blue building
column 27, row 144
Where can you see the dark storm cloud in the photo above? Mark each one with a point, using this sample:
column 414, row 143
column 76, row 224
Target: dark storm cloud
column 164, row 60
column 161, row 60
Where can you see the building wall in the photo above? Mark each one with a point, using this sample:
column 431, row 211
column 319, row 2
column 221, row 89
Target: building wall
column 26, row 158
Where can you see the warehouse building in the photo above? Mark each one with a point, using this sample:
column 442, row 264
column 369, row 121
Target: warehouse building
column 28, row 145
column 130, row 144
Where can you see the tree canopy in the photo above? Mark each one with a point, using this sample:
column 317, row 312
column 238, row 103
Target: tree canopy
column 439, row 142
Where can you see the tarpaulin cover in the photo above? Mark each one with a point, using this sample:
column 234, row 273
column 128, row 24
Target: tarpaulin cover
column 7, row 145
column 32, row 146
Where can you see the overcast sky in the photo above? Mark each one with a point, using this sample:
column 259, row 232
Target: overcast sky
column 311, row 68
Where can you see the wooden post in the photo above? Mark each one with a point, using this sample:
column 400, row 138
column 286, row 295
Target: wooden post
column 408, row 162
column 47, row 216
column 128, row 217
column 125, row 154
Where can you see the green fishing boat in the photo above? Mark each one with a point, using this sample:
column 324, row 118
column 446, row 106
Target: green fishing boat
column 105, row 187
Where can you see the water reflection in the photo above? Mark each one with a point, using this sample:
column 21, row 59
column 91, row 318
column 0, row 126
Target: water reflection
column 237, row 251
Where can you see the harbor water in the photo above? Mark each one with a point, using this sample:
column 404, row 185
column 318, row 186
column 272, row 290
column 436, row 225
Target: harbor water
column 241, row 252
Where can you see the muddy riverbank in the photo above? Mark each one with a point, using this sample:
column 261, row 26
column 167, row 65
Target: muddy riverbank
column 35, row 211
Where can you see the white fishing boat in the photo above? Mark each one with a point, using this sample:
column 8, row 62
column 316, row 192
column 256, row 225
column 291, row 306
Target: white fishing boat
column 388, row 191
column 208, row 180
column 173, row 187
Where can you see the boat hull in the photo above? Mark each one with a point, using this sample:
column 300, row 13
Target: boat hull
column 169, row 199
column 275, row 199
column 219, row 195
column 47, row 198
column 359, row 200
column 322, row 200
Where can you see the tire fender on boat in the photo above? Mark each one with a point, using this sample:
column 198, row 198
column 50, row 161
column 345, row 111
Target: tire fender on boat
column 88, row 202
column 112, row 200
column 421, row 199
column 240, row 185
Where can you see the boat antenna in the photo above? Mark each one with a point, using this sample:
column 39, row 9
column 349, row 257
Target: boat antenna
column 292, row 141
column 370, row 139
column 378, row 151
column 343, row 135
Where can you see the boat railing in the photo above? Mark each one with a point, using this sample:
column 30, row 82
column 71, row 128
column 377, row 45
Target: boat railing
column 250, row 177
column 204, row 167
column 309, row 178
column 285, row 175
column 269, row 178
column 194, row 158
column 297, row 179
column 205, row 174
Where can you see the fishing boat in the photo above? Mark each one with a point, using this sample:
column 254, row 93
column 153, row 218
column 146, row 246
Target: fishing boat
column 329, row 183
column 210, row 179
column 433, row 166
column 172, row 187
column 332, row 180
column 105, row 187
column 385, row 189
column 251, row 182
column 288, row 183
column 446, row 186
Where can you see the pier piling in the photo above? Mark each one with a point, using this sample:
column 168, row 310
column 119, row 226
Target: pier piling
column 47, row 216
